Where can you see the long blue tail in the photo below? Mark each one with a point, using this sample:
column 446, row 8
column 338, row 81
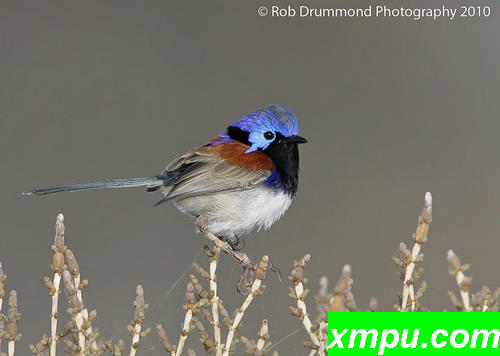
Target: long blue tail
column 112, row 183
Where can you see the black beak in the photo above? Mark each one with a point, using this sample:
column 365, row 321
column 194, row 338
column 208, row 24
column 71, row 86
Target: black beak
column 295, row 139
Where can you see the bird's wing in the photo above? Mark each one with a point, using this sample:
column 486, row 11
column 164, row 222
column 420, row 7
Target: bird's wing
column 215, row 168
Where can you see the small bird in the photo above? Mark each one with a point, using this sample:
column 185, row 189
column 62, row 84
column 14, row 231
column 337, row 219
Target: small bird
column 242, row 180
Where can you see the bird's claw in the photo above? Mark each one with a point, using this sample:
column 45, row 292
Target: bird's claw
column 247, row 276
column 275, row 270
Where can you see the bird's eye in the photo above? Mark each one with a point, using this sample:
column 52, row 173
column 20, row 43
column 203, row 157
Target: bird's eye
column 268, row 135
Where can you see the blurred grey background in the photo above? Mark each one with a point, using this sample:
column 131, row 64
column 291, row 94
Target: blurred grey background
column 392, row 108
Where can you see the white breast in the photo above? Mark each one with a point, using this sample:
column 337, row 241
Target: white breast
column 235, row 214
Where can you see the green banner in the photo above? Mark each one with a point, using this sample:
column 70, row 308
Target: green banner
column 412, row 333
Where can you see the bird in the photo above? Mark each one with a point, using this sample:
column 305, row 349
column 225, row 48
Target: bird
column 242, row 180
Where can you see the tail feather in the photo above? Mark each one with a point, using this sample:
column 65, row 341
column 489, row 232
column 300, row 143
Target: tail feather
column 112, row 183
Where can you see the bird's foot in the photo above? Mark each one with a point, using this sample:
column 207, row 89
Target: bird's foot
column 248, row 266
column 236, row 244
column 241, row 257
column 275, row 270
column 247, row 277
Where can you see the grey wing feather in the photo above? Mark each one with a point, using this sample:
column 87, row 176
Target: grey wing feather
column 209, row 174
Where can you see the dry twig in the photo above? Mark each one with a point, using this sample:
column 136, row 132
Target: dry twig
column 13, row 318
column 79, row 285
column 343, row 299
column 164, row 341
column 256, row 289
column 187, row 320
column 41, row 348
column 3, row 278
column 456, row 269
column 214, row 301
column 409, row 259
column 54, row 286
column 75, row 310
column 136, row 325
column 299, row 293
column 263, row 335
